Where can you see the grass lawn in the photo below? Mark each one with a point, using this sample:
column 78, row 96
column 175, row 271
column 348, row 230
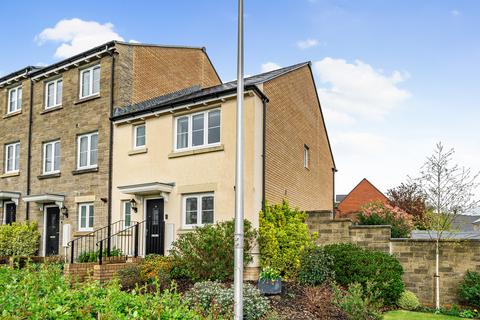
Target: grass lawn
column 408, row 315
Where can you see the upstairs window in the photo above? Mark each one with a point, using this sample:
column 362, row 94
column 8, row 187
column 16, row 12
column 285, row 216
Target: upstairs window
column 51, row 157
column 15, row 99
column 197, row 130
column 90, row 82
column 139, row 139
column 53, row 93
column 12, row 157
column 87, row 151
column 85, row 217
column 306, row 156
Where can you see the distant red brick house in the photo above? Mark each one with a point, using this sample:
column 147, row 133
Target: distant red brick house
column 362, row 194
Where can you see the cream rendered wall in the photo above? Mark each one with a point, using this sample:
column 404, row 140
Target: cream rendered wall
column 213, row 171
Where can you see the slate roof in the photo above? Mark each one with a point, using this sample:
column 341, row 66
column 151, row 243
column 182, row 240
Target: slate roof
column 464, row 222
column 423, row 234
column 196, row 93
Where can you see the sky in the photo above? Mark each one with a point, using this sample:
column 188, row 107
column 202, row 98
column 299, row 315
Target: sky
column 394, row 77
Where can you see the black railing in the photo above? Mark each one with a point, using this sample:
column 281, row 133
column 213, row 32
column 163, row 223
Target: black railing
column 128, row 242
column 83, row 248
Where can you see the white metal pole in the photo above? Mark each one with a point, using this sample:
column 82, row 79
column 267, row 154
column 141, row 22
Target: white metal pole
column 239, row 166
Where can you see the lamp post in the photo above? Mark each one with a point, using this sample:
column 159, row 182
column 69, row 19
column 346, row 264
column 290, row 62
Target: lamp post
column 239, row 166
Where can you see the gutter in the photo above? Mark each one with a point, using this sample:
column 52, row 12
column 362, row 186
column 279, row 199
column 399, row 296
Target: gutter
column 110, row 154
column 334, row 170
column 14, row 78
column 264, row 148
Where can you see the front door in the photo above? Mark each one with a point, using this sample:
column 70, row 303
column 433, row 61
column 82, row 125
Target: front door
column 10, row 212
column 52, row 229
column 155, row 228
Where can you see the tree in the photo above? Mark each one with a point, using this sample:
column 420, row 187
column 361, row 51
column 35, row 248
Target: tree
column 450, row 191
column 410, row 198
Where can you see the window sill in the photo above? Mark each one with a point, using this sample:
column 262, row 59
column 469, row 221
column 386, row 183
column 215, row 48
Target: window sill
column 82, row 171
column 49, row 176
column 137, row 151
column 178, row 154
column 12, row 114
column 10, row 174
column 90, row 98
column 52, row 109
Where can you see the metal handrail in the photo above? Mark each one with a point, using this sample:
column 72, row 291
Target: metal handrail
column 85, row 243
column 130, row 241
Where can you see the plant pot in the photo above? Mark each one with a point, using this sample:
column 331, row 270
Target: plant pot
column 270, row 287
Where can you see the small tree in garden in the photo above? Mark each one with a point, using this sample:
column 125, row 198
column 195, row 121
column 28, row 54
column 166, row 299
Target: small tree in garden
column 378, row 213
column 283, row 235
column 410, row 198
column 450, row 191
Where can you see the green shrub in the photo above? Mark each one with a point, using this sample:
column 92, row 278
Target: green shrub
column 316, row 267
column 19, row 239
column 206, row 253
column 283, row 235
column 408, row 301
column 130, row 277
column 359, row 303
column 41, row 292
column 92, row 256
column 469, row 289
column 379, row 213
column 216, row 298
column 354, row 264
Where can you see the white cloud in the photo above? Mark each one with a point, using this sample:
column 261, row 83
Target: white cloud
column 357, row 89
column 76, row 35
column 308, row 43
column 270, row 66
column 455, row 12
column 133, row 41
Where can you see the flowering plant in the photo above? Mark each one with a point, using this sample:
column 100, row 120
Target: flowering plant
column 379, row 213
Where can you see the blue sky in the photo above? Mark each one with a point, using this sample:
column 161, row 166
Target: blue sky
column 394, row 77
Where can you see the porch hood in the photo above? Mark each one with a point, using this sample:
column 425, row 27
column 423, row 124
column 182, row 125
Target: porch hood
column 147, row 189
column 10, row 196
column 42, row 199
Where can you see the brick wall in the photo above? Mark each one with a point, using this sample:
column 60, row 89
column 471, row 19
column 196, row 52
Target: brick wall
column 294, row 119
column 417, row 257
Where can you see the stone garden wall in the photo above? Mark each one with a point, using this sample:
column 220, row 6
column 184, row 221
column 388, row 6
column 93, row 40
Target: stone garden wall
column 416, row 256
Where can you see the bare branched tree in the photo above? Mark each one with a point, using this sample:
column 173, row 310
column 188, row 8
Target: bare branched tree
column 450, row 191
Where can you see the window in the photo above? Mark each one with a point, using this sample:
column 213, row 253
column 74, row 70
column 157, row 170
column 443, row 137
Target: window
column 51, row 157
column 12, row 157
column 127, row 213
column 90, row 82
column 198, row 130
column 198, row 209
column 306, row 155
column 87, row 151
column 15, row 99
column 139, row 136
column 53, row 93
column 85, row 217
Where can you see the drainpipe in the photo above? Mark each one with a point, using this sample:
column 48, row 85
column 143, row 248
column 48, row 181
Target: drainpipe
column 29, row 150
column 333, row 191
column 110, row 152
column 264, row 102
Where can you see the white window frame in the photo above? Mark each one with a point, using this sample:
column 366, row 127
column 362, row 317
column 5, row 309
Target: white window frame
column 18, row 102
column 55, row 91
column 124, row 209
column 90, row 211
column 306, row 156
column 199, row 197
column 135, row 132
column 89, row 165
column 190, row 131
column 54, row 157
column 14, row 157
column 90, row 85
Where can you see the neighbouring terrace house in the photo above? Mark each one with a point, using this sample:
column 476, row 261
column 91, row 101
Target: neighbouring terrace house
column 56, row 134
column 174, row 156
